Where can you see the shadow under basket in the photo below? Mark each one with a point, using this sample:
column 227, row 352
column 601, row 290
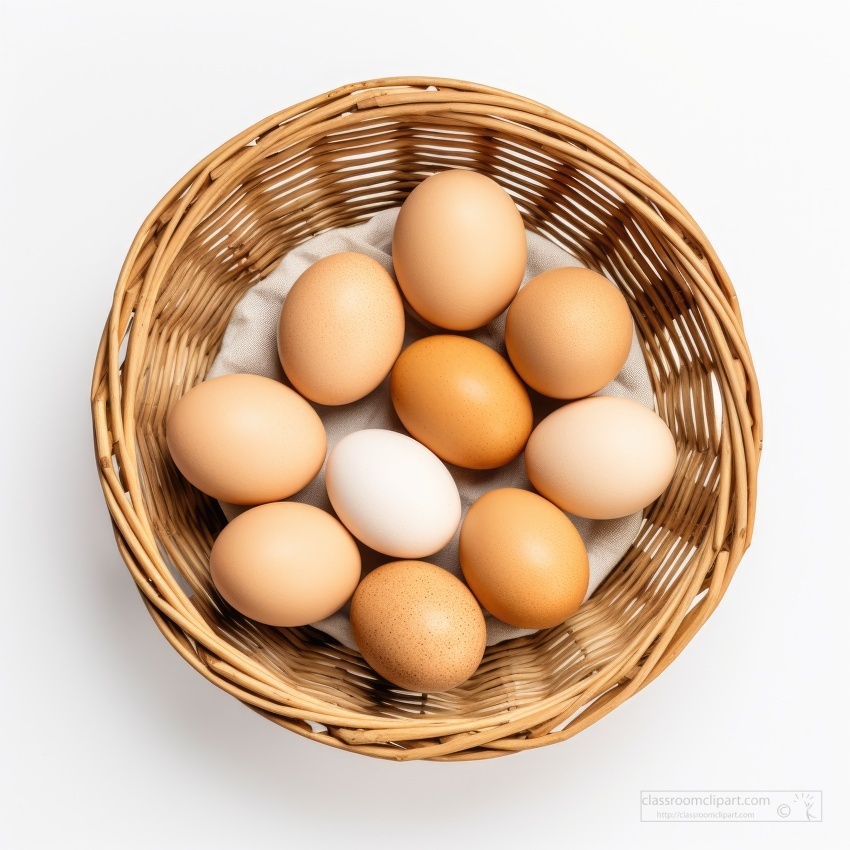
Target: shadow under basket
column 336, row 160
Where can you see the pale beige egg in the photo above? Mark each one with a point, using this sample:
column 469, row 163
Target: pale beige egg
column 418, row 626
column 285, row 564
column 602, row 457
column 246, row 439
column 341, row 328
column 568, row 332
column 523, row 558
column 459, row 249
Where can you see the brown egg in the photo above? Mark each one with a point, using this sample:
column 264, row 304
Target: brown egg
column 459, row 249
column 462, row 400
column 245, row 439
column 341, row 328
column 523, row 558
column 602, row 457
column 568, row 332
column 418, row 626
column 285, row 564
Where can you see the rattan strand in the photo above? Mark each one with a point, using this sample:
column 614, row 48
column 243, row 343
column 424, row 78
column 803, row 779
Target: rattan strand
column 336, row 160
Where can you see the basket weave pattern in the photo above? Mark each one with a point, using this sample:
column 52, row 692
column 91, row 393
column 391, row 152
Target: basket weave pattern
column 334, row 161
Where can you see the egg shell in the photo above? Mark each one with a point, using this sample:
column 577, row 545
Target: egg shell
column 285, row 564
column 602, row 457
column 462, row 400
column 341, row 328
column 523, row 559
column 568, row 332
column 246, row 439
column 459, row 249
column 418, row 626
column 392, row 493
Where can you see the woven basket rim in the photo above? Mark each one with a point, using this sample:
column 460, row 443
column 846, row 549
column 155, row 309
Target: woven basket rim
column 170, row 243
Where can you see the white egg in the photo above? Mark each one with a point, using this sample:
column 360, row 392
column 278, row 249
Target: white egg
column 392, row 493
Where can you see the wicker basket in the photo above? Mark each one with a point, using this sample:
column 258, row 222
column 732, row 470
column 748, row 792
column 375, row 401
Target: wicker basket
column 336, row 160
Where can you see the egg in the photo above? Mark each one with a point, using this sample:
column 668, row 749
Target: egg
column 392, row 493
column 285, row 564
column 341, row 328
column 418, row 626
column 459, row 249
column 523, row 559
column 246, row 439
column 462, row 400
column 602, row 457
column 568, row 332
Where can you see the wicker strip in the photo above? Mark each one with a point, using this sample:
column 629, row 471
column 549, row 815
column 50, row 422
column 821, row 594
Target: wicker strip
column 336, row 160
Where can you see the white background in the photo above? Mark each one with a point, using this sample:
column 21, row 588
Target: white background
column 109, row 740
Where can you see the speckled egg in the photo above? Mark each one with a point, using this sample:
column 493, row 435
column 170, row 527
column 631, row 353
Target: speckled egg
column 246, row 439
column 418, row 626
column 462, row 400
column 568, row 332
column 459, row 249
column 523, row 559
column 341, row 328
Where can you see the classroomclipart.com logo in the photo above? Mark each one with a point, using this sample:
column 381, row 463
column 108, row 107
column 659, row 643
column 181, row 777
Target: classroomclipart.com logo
column 752, row 806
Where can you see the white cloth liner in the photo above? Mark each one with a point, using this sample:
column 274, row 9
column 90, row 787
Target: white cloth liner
column 250, row 346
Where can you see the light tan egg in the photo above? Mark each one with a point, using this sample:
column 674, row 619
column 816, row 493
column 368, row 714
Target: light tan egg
column 568, row 332
column 462, row 400
column 418, row 626
column 341, row 328
column 602, row 457
column 523, row 559
column 459, row 249
column 246, row 439
column 285, row 564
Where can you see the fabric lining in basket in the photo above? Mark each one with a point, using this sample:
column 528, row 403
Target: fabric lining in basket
column 250, row 345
